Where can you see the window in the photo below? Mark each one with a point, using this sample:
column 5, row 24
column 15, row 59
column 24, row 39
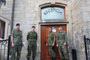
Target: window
column 2, row 29
column 52, row 13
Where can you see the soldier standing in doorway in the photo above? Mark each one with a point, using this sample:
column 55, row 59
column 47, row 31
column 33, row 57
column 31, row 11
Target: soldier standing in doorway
column 51, row 44
column 16, row 43
column 32, row 43
column 61, row 43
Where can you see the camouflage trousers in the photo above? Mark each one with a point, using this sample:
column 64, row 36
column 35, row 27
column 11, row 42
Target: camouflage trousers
column 31, row 50
column 16, row 49
column 52, row 51
column 63, row 52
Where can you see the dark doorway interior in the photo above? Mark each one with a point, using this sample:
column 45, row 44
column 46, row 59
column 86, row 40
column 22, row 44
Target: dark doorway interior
column 2, row 29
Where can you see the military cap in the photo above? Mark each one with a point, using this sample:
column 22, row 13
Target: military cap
column 17, row 24
column 33, row 26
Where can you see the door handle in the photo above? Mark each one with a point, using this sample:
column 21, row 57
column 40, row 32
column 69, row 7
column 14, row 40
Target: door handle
column 45, row 42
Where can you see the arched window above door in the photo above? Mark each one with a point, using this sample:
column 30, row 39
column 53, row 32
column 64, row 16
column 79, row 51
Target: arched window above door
column 52, row 13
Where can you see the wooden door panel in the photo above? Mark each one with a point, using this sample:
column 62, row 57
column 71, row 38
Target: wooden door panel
column 44, row 49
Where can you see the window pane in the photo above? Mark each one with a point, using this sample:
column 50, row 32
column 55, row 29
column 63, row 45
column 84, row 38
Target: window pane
column 52, row 13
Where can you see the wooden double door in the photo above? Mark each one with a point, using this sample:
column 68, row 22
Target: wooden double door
column 44, row 49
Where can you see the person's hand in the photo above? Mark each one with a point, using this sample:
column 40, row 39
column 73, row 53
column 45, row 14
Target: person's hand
column 46, row 44
column 64, row 43
column 57, row 45
column 12, row 44
column 53, row 44
column 24, row 44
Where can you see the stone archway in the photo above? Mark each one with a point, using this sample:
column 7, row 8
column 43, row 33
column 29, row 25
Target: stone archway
column 60, row 21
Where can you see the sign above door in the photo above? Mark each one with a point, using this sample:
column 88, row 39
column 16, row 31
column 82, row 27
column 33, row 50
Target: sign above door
column 52, row 13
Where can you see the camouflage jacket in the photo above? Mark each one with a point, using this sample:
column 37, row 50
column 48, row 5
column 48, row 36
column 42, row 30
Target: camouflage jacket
column 17, row 36
column 61, row 38
column 32, row 37
column 50, row 38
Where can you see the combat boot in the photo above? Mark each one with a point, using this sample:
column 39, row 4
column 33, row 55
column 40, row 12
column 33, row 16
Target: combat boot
column 28, row 58
column 62, row 59
column 33, row 58
column 53, row 58
column 66, row 59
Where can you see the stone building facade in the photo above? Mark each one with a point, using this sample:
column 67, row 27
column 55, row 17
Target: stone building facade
column 28, row 13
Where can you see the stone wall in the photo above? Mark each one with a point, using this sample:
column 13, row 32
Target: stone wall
column 86, row 16
column 77, row 28
column 6, row 10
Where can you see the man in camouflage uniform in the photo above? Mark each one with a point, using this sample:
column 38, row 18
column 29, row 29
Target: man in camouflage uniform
column 16, row 43
column 61, row 43
column 51, row 43
column 32, row 43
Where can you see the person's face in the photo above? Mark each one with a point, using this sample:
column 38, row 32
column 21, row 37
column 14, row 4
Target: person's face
column 50, row 30
column 17, row 27
column 33, row 29
column 60, row 28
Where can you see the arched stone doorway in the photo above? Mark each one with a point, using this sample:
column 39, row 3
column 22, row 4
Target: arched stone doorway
column 52, row 15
